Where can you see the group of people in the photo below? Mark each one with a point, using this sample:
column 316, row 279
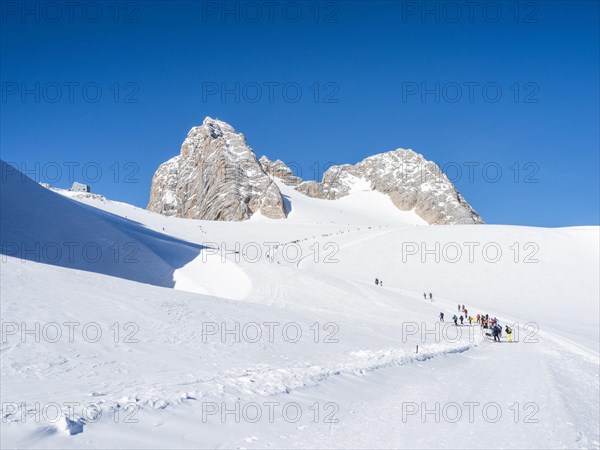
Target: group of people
column 378, row 282
column 425, row 295
column 484, row 321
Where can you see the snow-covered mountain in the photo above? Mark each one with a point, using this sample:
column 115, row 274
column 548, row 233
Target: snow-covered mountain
column 217, row 177
column 407, row 178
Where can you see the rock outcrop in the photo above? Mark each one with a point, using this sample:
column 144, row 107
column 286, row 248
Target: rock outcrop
column 280, row 170
column 215, row 177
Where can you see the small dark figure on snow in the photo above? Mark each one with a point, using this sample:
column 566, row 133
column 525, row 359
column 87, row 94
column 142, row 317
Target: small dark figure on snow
column 455, row 319
column 430, row 296
column 441, row 317
column 461, row 319
column 380, row 282
column 496, row 330
column 377, row 281
column 459, row 307
column 424, row 295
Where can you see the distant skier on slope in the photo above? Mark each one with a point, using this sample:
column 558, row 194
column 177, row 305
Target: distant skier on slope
column 455, row 319
column 430, row 296
column 424, row 295
column 441, row 317
column 459, row 306
column 496, row 332
column 377, row 281
column 461, row 319
column 508, row 333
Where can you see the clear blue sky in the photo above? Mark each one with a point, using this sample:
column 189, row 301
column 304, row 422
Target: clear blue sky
column 367, row 72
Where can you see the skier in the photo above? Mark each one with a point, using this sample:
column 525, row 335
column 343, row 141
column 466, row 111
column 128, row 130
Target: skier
column 461, row 319
column 424, row 295
column 463, row 307
column 455, row 319
column 376, row 281
column 459, row 307
column 496, row 332
column 508, row 333
column 478, row 317
column 441, row 317
column 466, row 312
column 430, row 296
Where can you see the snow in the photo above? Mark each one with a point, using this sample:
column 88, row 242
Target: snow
column 207, row 321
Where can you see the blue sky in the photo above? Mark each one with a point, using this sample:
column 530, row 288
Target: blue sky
column 509, row 86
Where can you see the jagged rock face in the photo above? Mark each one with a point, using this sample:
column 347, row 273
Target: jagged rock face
column 280, row 170
column 215, row 177
column 410, row 180
column 164, row 187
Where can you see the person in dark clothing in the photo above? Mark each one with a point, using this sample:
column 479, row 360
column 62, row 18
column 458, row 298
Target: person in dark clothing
column 430, row 296
column 455, row 319
column 377, row 281
column 441, row 317
column 461, row 319
column 496, row 332
column 459, row 307
column 424, row 295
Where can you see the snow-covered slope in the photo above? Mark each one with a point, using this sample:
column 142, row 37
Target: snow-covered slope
column 287, row 320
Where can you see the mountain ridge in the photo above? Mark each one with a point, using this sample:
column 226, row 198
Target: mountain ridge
column 217, row 176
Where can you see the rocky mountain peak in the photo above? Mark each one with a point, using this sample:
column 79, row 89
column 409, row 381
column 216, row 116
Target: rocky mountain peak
column 216, row 176
column 411, row 182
